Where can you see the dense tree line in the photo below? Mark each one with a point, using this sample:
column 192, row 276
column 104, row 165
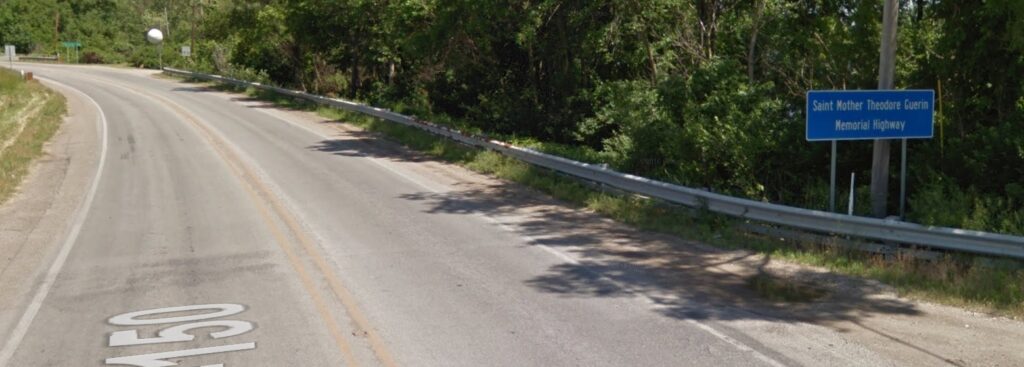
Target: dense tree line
column 708, row 93
column 110, row 31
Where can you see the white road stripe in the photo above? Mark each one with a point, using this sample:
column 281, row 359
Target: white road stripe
column 555, row 252
column 644, row 297
column 44, row 289
column 377, row 161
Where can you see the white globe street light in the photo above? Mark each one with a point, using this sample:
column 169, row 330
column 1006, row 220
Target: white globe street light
column 156, row 37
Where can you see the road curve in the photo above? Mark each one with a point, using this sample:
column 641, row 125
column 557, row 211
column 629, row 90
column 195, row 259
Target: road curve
column 221, row 232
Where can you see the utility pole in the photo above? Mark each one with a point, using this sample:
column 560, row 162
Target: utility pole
column 167, row 21
column 192, row 44
column 56, row 33
column 886, row 71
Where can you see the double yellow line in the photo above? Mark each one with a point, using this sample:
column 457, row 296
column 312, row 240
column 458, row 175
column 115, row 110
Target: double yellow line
column 270, row 206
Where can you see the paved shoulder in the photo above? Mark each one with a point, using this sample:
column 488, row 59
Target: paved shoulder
column 225, row 231
column 179, row 259
column 37, row 218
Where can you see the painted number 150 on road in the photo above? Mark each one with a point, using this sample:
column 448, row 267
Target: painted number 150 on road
column 209, row 318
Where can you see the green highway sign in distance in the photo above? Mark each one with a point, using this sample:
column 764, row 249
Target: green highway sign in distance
column 71, row 44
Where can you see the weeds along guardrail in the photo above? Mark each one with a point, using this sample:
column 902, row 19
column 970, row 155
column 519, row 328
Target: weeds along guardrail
column 36, row 58
column 886, row 230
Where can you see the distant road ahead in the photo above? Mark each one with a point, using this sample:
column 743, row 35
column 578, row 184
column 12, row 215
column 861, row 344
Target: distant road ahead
column 221, row 232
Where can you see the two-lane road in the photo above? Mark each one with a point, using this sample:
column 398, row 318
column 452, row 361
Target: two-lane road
column 219, row 232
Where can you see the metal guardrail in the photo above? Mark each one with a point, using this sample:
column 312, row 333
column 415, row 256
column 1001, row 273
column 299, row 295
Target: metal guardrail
column 36, row 58
column 812, row 220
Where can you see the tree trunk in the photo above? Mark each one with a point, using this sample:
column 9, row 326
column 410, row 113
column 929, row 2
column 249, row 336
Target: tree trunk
column 752, row 46
column 391, row 73
column 650, row 60
column 356, row 78
column 192, row 42
column 708, row 13
column 167, row 19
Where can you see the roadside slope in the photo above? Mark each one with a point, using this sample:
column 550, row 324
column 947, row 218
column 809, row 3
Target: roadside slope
column 29, row 115
column 52, row 176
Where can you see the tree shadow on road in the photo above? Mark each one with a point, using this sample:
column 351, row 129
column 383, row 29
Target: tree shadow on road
column 685, row 279
column 365, row 144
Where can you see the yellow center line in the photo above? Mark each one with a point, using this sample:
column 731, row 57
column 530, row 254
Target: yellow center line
column 258, row 190
column 340, row 291
column 293, row 259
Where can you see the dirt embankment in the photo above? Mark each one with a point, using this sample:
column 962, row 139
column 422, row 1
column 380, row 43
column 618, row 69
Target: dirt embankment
column 29, row 116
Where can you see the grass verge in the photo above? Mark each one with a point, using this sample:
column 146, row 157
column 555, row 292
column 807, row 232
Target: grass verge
column 974, row 282
column 20, row 102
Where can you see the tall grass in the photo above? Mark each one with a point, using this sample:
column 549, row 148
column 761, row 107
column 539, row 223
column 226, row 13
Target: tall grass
column 40, row 125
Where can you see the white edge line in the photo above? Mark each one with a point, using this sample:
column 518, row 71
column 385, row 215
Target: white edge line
column 736, row 343
column 51, row 275
column 559, row 254
column 374, row 160
column 647, row 299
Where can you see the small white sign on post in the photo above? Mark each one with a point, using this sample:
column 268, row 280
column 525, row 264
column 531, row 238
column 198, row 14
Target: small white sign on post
column 186, row 51
column 9, row 53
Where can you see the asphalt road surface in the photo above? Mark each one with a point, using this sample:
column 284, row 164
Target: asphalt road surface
column 214, row 232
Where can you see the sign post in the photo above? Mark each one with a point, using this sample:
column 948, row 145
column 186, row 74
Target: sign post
column 9, row 52
column 834, row 115
column 832, row 181
column 72, row 45
column 903, row 180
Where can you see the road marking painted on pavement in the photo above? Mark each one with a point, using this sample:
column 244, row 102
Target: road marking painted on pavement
column 559, row 254
column 647, row 299
column 259, row 193
column 177, row 333
column 58, row 263
column 129, row 319
column 377, row 161
column 282, row 241
column 158, row 359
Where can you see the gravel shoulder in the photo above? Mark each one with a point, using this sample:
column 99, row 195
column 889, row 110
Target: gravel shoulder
column 35, row 219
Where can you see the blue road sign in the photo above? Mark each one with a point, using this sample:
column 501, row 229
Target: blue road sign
column 870, row 114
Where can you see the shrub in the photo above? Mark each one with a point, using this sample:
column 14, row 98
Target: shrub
column 91, row 57
column 942, row 203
